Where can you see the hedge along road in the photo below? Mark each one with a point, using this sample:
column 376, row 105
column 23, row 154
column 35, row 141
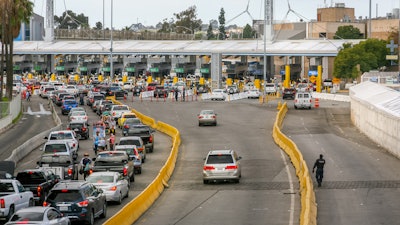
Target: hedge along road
column 264, row 194
column 150, row 169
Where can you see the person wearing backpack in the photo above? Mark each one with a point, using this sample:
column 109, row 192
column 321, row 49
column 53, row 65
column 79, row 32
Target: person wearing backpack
column 85, row 165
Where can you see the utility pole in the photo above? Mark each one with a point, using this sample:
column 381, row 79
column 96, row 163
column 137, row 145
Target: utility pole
column 49, row 30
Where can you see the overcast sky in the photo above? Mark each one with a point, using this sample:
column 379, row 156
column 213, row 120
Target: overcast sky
column 150, row 12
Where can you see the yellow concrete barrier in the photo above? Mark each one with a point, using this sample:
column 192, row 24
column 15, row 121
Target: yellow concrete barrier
column 135, row 208
column 308, row 214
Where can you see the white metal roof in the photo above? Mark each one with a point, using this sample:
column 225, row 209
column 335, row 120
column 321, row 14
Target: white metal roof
column 318, row 47
column 383, row 98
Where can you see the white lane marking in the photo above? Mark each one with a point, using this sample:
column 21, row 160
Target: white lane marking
column 41, row 112
column 292, row 200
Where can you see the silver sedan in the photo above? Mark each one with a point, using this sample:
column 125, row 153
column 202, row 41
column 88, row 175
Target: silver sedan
column 207, row 117
column 39, row 215
column 113, row 184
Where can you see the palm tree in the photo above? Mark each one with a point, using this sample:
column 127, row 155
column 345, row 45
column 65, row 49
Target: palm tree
column 13, row 13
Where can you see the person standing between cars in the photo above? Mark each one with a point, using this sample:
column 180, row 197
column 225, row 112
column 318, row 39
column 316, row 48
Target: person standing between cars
column 111, row 141
column 319, row 164
column 183, row 94
column 85, row 165
column 96, row 142
column 176, row 94
column 28, row 95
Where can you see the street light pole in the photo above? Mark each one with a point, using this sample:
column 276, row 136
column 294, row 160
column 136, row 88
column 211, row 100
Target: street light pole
column 111, row 48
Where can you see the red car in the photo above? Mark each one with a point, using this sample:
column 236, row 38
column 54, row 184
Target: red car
column 151, row 86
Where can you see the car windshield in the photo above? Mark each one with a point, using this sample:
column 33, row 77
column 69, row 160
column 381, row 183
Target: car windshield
column 78, row 113
column 208, row 112
column 75, row 125
column 100, row 179
column 27, row 216
column 220, row 158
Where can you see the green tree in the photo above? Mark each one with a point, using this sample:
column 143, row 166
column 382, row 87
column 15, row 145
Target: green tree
column 166, row 26
column 187, row 20
column 13, row 13
column 221, row 29
column 69, row 20
column 367, row 55
column 99, row 26
column 348, row 32
column 210, row 34
column 248, row 32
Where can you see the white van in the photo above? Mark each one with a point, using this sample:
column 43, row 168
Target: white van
column 302, row 100
column 270, row 88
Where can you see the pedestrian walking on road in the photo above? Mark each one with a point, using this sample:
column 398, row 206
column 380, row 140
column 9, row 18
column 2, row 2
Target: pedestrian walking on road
column 85, row 165
column 176, row 94
column 319, row 164
column 183, row 94
column 28, row 96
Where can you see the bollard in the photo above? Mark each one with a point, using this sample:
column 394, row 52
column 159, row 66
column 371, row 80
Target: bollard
column 316, row 103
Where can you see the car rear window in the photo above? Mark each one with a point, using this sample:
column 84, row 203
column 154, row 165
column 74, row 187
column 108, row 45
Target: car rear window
column 6, row 187
column 75, row 125
column 54, row 148
column 30, row 177
column 100, row 179
column 221, row 158
column 60, row 136
column 25, row 217
column 65, row 195
column 130, row 142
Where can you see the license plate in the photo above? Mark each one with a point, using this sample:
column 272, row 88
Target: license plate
column 76, row 129
column 63, row 208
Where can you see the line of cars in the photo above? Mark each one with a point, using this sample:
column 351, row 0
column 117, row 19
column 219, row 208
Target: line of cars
column 68, row 199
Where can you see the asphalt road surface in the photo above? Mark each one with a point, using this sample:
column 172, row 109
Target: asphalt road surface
column 268, row 191
column 361, row 180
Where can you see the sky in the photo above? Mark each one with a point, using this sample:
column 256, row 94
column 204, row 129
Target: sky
column 151, row 12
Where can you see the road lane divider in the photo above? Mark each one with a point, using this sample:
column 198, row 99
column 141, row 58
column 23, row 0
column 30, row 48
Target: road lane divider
column 308, row 214
column 135, row 208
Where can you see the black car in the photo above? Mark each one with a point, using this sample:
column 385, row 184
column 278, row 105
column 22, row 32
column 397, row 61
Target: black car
column 145, row 132
column 289, row 93
column 81, row 129
column 160, row 91
column 79, row 200
column 137, row 89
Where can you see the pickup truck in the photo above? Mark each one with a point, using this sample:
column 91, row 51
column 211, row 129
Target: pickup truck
column 117, row 110
column 38, row 181
column 145, row 132
column 62, row 165
column 13, row 197
column 116, row 161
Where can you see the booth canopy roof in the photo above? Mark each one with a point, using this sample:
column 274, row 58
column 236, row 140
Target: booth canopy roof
column 318, row 47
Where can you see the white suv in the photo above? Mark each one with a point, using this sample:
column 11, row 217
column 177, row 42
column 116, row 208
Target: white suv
column 58, row 147
column 117, row 110
column 302, row 100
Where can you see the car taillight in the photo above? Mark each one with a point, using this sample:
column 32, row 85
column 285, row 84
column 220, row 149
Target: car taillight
column 63, row 107
column 45, row 204
column 113, row 188
column 68, row 128
column 234, row 167
column 70, row 172
column 126, row 126
column 73, row 145
column 72, row 118
column 85, row 117
column 151, row 139
column 125, row 171
column 39, row 190
column 140, row 149
column 213, row 117
column 208, row 168
column 83, row 129
column 200, row 117
column 84, row 203
column 2, row 203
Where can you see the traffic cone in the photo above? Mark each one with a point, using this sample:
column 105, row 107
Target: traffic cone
column 316, row 103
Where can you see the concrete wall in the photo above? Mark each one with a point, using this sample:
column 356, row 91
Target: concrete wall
column 15, row 109
column 377, row 114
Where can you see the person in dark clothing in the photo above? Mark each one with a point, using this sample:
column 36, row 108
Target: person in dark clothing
column 176, row 94
column 183, row 94
column 319, row 164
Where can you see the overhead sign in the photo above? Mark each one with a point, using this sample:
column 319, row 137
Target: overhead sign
column 313, row 73
column 205, row 70
column 60, row 68
column 179, row 70
column 130, row 69
column 154, row 70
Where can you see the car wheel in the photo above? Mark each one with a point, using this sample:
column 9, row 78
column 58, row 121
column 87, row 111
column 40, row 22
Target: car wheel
column 132, row 178
column 10, row 212
column 205, row 181
column 32, row 202
column 119, row 201
column 199, row 124
column 140, row 171
column 127, row 194
column 104, row 214
column 215, row 124
column 236, row 181
column 143, row 159
column 91, row 218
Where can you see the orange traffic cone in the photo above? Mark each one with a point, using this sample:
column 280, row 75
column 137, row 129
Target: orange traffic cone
column 316, row 103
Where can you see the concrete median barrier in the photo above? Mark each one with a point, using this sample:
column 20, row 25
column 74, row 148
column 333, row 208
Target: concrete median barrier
column 308, row 214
